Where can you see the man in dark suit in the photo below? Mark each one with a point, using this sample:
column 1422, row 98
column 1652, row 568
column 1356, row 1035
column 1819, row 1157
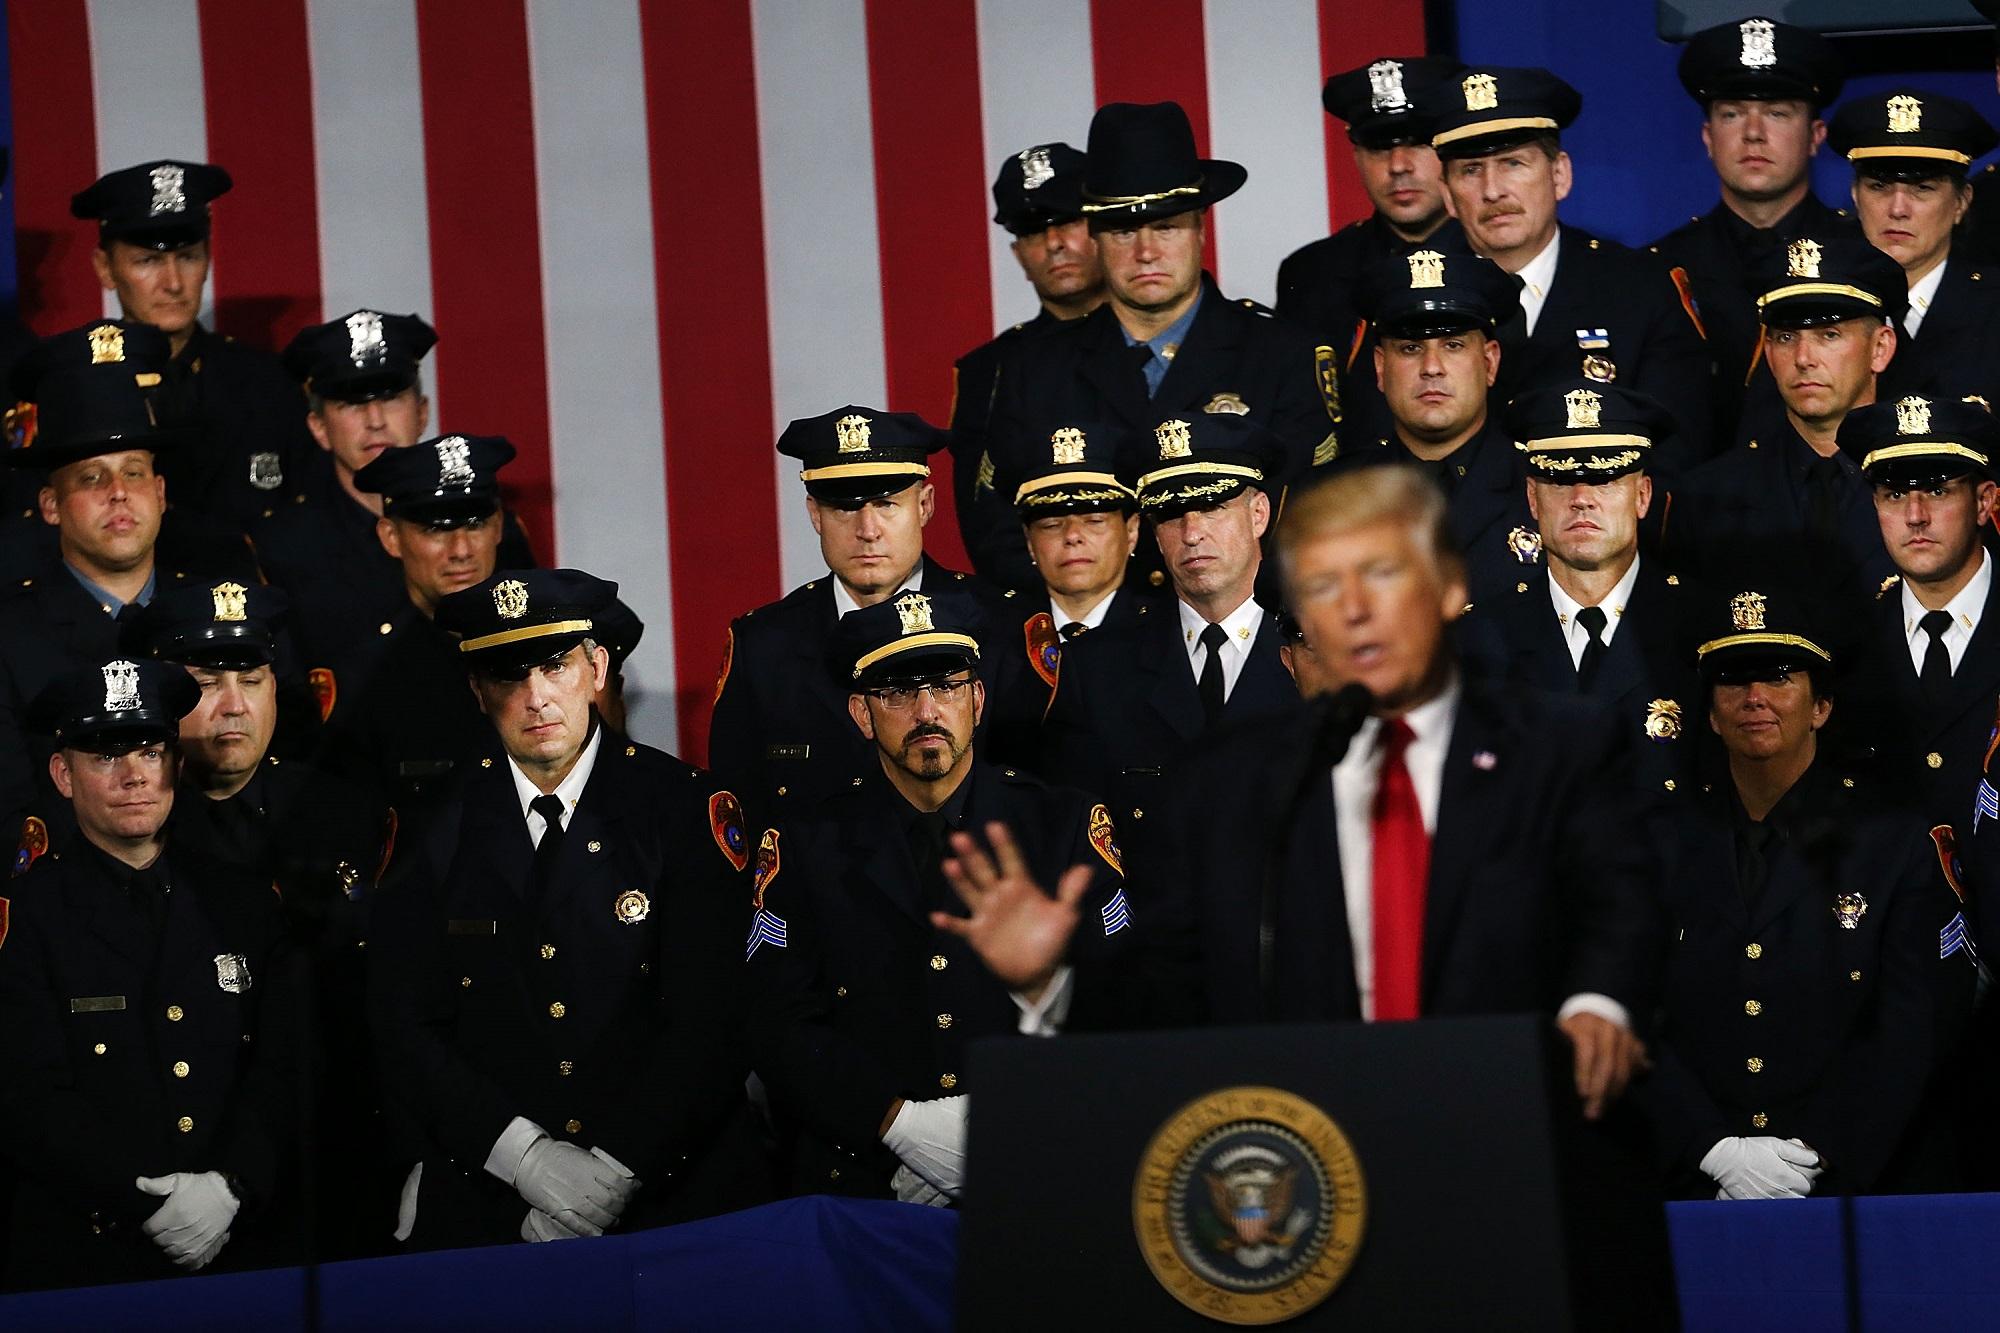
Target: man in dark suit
column 1129, row 701
column 1761, row 86
column 1820, row 970
column 1591, row 307
column 149, row 1016
column 1605, row 623
column 554, row 959
column 1038, row 198
column 1447, row 859
column 1434, row 317
column 863, row 1003
column 1167, row 343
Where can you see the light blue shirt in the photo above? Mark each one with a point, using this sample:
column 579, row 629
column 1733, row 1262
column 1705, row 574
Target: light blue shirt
column 1166, row 343
column 111, row 605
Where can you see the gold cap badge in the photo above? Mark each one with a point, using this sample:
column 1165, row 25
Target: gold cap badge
column 510, row 599
column 852, row 433
column 1482, row 92
column 1913, row 416
column 228, row 600
column 1581, row 408
column 107, row 345
column 1066, row 447
column 1746, row 609
column 914, row 610
column 1426, row 270
column 1906, row 115
column 1173, row 437
column 1802, row 258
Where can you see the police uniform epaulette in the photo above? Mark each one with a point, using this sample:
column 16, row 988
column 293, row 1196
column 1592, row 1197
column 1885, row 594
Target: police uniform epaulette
column 1887, row 584
column 1594, row 243
column 1256, row 308
column 1009, row 593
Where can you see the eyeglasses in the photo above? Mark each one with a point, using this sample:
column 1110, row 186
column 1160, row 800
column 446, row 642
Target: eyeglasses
column 902, row 698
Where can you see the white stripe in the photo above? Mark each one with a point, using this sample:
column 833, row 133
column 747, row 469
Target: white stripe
column 822, row 262
column 600, row 323
column 146, row 86
column 368, row 147
column 1036, row 85
column 1263, row 111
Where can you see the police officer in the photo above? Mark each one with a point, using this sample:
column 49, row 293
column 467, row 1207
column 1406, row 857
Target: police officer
column 153, row 252
column 620, row 629
column 398, row 714
column 1604, row 622
column 1038, row 198
column 363, row 381
column 1933, row 668
column 1810, row 994
column 1791, row 501
column 1434, row 317
column 1385, row 105
column 1910, row 150
column 95, row 444
column 1167, row 343
column 1128, row 701
column 1591, row 307
column 781, row 728
column 149, row 1006
column 314, row 838
column 863, row 1002
column 555, row 954
column 1761, row 86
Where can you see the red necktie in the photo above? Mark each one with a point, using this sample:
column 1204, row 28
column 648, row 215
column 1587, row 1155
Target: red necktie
column 1402, row 868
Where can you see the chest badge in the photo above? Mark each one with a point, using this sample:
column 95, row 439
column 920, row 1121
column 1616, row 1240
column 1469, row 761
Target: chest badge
column 632, row 907
column 232, row 972
column 1663, row 720
column 1525, row 546
column 267, row 471
column 1848, row 909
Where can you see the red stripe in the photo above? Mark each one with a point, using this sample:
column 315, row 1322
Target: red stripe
column 55, row 133
column 257, row 81
column 715, row 355
column 931, row 218
column 1351, row 35
column 486, row 270
column 1154, row 51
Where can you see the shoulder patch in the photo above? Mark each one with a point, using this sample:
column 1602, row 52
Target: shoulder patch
column 1104, row 838
column 325, row 689
column 768, row 861
column 766, row 926
column 725, row 821
column 1945, row 839
column 1326, row 366
column 34, row 841
column 1688, row 303
column 3, row 921
column 722, row 673
column 1044, row 646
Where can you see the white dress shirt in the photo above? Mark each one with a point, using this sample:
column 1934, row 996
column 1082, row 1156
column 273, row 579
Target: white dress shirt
column 569, row 790
column 1921, row 295
column 1575, row 635
column 1090, row 619
column 1355, row 780
column 1537, row 276
column 843, row 600
column 1964, row 609
column 1240, row 629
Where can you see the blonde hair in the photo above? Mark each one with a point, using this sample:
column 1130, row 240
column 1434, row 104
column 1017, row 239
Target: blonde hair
column 1357, row 497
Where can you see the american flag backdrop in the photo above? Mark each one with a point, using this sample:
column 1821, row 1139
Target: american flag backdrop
column 650, row 232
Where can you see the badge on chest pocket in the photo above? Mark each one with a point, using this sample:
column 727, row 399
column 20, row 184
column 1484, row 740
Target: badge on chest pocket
column 232, row 972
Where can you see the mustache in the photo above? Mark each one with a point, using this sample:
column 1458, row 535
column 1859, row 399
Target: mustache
column 923, row 732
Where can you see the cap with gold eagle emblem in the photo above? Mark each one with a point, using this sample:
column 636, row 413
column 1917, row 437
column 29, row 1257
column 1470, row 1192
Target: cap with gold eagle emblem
column 1813, row 280
column 1910, row 134
column 1495, row 108
column 93, row 393
column 1916, row 441
column 913, row 636
column 852, row 455
column 1436, row 290
column 1757, row 633
column 520, row 618
column 1067, row 467
column 1205, row 458
column 1584, row 431
column 225, row 626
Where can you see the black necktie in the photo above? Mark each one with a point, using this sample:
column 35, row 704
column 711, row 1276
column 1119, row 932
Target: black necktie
column 1073, row 629
column 1823, row 500
column 549, row 808
column 1936, row 675
column 1592, row 620
column 1753, row 861
column 1212, row 697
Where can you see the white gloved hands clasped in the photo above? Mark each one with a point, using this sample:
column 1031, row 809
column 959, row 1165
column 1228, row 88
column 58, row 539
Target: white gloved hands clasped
column 930, row 1139
column 192, row 1225
column 1762, row 1168
column 581, row 1192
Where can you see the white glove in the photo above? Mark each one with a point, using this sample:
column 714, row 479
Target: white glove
column 930, row 1138
column 1762, row 1168
column 580, row 1192
column 913, row 1188
column 192, row 1225
column 538, row 1226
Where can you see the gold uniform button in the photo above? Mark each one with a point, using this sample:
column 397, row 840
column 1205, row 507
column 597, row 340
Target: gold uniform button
column 1668, row 784
column 565, row 1068
column 99, row 1048
column 833, row 1174
column 382, row 628
column 781, row 791
column 939, row 962
column 573, row 1126
column 1753, row 951
column 593, row 846
column 1934, row 759
column 944, row 1020
column 185, row 1124
column 1138, row 814
column 1760, row 1121
column 947, row 1080
column 1854, row 976
column 173, row 1013
column 840, row 992
column 465, row 982
column 548, row 951
column 1755, row 1064
column 180, row 1069
column 1753, row 1007
column 557, row 1010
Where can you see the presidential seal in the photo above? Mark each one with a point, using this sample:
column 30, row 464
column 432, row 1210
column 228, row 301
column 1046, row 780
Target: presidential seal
column 1249, row 1205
